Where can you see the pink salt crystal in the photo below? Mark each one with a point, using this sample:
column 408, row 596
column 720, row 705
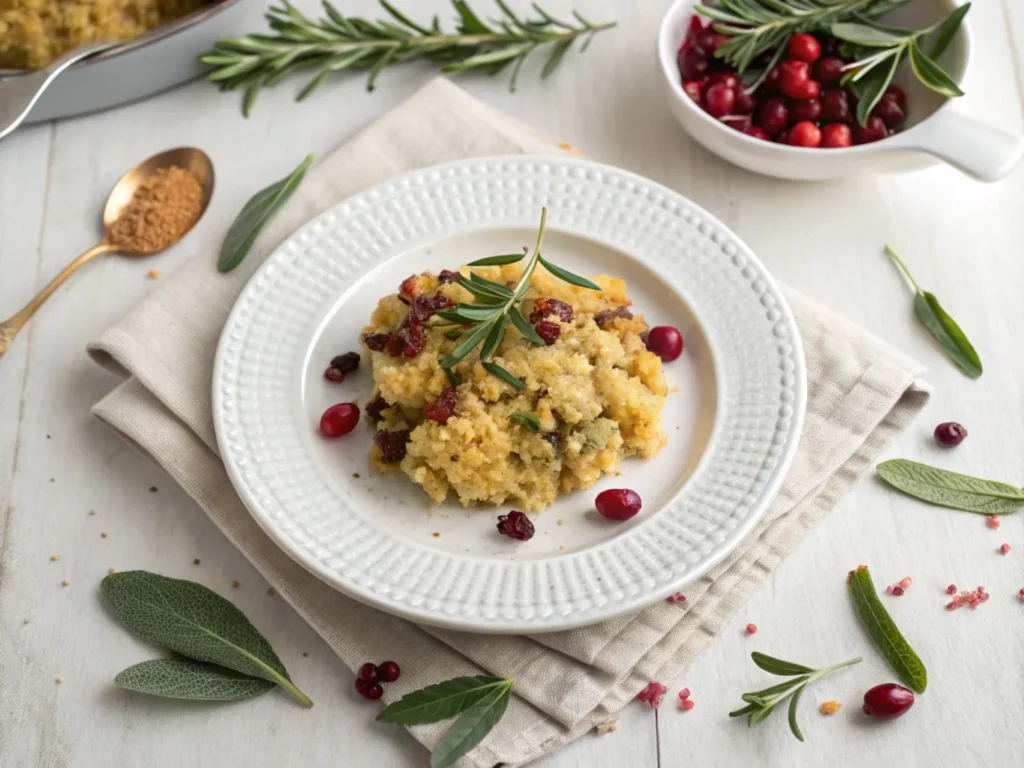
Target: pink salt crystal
column 688, row 704
column 958, row 601
column 1021, row 593
column 889, row 590
column 951, row 589
column 685, row 693
column 992, row 521
column 653, row 694
column 751, row 629
column 951, row 606
column 906, row 581
column 897, row 591
column 1005, row 549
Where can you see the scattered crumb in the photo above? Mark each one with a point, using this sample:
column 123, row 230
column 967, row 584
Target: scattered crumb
column 153, row 274
column 570, row 148
column 271, row 592
column 560, row 522
column 560, row 547
column 59, row 679
column 829, row 707
column 436, row 534
column 1005, row 549
column 66, row 582
column 305, row 654
column 92, row 512
column 24, row 621
column 608, row 725
column 110, row 570
column 152, row 489
column 103, row 534
column 687, row 704
column 53, row 479
column 992, row 521
column 751, row 628
column 47, row 437
column 54, row 558
column 234, row 584
column 195, row 561
column 355, row 475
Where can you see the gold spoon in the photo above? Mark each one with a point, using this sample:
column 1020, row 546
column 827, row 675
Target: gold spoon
column 186, row 158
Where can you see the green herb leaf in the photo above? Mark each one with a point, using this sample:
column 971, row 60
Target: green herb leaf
column 493, row 338
column 793, row 702
column 569, row 277
column 931, row 74
column 501, row 290
column 778, row 666
column 887, row 638
column 196, row 622
column 254, row 216
column 943, row 327
column 525, row 328
column 501, row 373
column 947, row 30
column 466, row 345
column 528, row 420
column 759, row 715
column 484, row 293
column 868, row 35
column 471, row 727
column 951, row 489
column 492, row 261
column 744, row 711
column 442, row 700
column 187, row 679
column 453, row 378
column 871, row 87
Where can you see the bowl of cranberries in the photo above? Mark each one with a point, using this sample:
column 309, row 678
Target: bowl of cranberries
column 799, row 121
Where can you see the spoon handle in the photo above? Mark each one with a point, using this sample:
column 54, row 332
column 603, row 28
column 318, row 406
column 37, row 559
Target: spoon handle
column 19, row 94
column 9, row 328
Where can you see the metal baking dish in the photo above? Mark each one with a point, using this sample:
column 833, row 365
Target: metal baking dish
column 160, row 59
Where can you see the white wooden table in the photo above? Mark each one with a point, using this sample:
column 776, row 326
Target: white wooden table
column 963, row 241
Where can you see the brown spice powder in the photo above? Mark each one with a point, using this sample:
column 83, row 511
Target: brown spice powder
column 163, row 208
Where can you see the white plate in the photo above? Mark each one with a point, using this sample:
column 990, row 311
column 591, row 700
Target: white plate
column 733, row 422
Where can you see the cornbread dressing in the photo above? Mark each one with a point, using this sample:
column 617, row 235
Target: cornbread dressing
column 597, row 392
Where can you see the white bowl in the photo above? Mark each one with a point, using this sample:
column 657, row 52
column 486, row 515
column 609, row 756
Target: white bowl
column 935, row 130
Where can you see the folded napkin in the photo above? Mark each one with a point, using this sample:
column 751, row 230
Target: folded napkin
column 862, row 393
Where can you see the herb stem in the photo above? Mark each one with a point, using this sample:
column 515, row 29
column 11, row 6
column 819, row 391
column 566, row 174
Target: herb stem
column 302, row 698
column 903, row 268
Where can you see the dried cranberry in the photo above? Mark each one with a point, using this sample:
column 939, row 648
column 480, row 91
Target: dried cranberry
column 516, row 525
column 835, row 106
column 409, row 286
column 339, row 420
column 804, row 47
column 665, row 341
column 333, row 374
column 369, row 673
column 389, row 671
column 806, row 109
column 548, row 331
column 447, row 276
column 805, row 134
column 378, row 342
column 392, row 444
column 950, row 433
column 443, row 408
column 829, row 70
column 836, row 136
column 424, row 307
column 605, row 316
column 346, row 363
column 773, row 115
column 874, row 130
column 618, row 504
column 375, row 408
column 543, row 308
column 408, row 339
column 887, row 701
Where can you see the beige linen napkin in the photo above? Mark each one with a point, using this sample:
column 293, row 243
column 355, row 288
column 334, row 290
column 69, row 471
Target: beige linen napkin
column 862, row 394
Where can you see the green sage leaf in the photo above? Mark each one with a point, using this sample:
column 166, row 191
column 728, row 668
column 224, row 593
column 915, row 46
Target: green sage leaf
column 793, row 702
column 501, row 373
column 471, row 727
column 187, row 679
column 947, row 30
column 494, row 261
column 194, row 621
column 951, row 489
column 887, row 638
column 254, row 216
column 528, row 420
column 567, row 276
column 871, row 87
column 442, row 700
column 778, row 666
column 525, row 328
column 931, row 74
column 868, row 35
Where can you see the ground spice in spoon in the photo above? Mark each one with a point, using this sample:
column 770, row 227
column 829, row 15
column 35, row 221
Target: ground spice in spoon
column 162, row 209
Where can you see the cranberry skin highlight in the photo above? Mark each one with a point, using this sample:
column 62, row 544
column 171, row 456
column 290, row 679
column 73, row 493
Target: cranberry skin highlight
column 805, row 134
column 804, row 47
column 666, row 342
column 618, row 504
column 950, row 433
column 369, row 673
column 339, row 420
column 888, row 701
column 719, row 100
column 389, row 671
column 836, row 136
column 829, row 70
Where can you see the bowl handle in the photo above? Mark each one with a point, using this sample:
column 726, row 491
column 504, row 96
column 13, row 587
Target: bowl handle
column 978, row 149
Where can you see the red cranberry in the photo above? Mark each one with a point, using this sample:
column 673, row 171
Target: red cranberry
column 719, row 100
column 618, row 504
column 408, row 286
column 804, row 47
column 392, row 444
column 375, row 408
column 666, row 342
column 794, row 79
column 889, row 110
column 895, row 92
column 829, row 70
column 695, row 90
column 371, row 691
column 369, row 673
column 693, row 63
column 443, row 408
column 339, row 420
column 389, row 671
column 605, row 316
column 424, row 307
column 782, row 137
column 448, row 276
column 887, row 701
column 950, row 433
column 708, row 40
column 516, row 525
column 548, row 331
column 378, row 342
column 873, row 131
column 830, row 45
column 771, row 81
column 805, row 134
column 346, row 363
column 757, row 133
column 696, row 26
column 543, row 308
column 835, row 106
column 836, row 136
column 745, row 102
column 773, row 115
column 724, row 78
column 805, row 109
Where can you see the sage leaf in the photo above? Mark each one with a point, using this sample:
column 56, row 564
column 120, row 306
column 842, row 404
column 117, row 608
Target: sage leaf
column 931, row 74
column 196, row 622
column 778, row 666
column 471, row 727
column 567, row 276
column 187, row 679
column 883, row 630
column 868, row 35
column 254, row 216
column 947, row 30
column 792, row 713
column 951, row 489
column 528, row 420
column 494, row 261
column 501, row 373
column 442, row 700
column 943, row 327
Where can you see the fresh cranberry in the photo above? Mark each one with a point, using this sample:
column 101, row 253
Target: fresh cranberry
column 693, row 63
column 618, row 504
column 409, row 338
column 757, row 133
column 724, row 78
column 719, row 100
column 708, row 40
column 950, row 433
column 369, row 673
column 443, row 408
column 375, row 408
column 836, row 136
column 771, row 81
column 889, row 110
column 447, row 276
column 794, row 79
column 835, row 106
column 409, row 287
column 339, row 420
column 371, row 691
column 378, row 342
column 392, row 444
column 666, row 342
column 605, row 316
column 874, row 131
column 805, row 109
column 695, row 90
column 804, row 47
column 805, row 134
column 543, row 308
column 887, row 701
column 695, row 27
column 830, row 45
column 829, row 70
column 895, row 92
column 548, row 331
column 773, row 115
column 782, row 137
column 745, row 102
column 389, row 671
column 516, row 525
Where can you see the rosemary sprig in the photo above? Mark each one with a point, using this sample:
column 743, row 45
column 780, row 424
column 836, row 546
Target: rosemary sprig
column 762, row 703
column 337, row 42
column 484, row 323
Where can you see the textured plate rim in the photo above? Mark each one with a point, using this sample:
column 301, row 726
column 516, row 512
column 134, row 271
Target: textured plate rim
column 346, row 210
